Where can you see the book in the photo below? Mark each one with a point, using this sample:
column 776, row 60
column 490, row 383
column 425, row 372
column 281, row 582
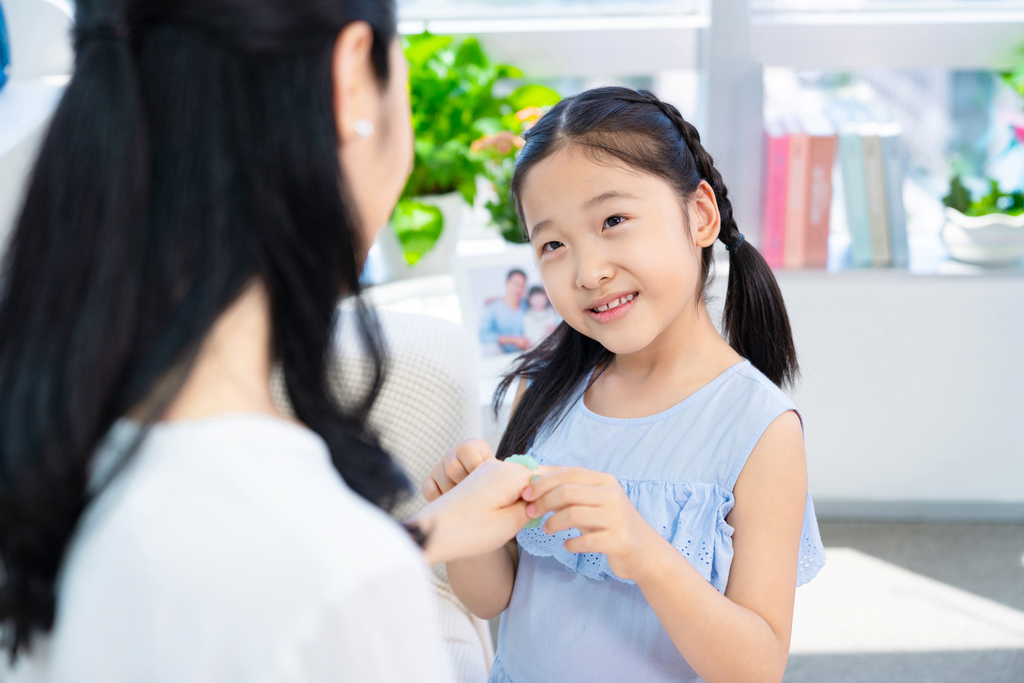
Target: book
column 776, row 180
column 794, row 240
column 851, row 160
column 892, row 153
column 874, row 181
column 822, row 156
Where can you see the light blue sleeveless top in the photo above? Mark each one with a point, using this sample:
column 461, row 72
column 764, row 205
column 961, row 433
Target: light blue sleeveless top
column 571, row 618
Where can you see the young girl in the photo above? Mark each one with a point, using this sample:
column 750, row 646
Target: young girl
column 540, row 319
column 672, row 488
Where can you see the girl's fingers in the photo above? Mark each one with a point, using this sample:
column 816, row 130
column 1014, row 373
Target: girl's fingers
column 581, row 517
column 430, row 489
column 550, row 478
column 441, row 478
column 564, row 496
column 594, row 542
column 473, row 453
column 453, row 467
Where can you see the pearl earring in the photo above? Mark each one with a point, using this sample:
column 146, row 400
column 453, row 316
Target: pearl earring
column 363, row 128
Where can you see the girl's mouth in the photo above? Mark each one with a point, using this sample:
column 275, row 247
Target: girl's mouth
column 614, row 309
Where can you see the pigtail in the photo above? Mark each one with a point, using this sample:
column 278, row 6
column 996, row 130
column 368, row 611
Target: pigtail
column 754, row 321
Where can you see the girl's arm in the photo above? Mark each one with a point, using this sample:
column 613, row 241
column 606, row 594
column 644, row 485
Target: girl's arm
column 743, row 635
column 483, row 583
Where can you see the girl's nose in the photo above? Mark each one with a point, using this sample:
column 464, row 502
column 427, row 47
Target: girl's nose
column 593, row 270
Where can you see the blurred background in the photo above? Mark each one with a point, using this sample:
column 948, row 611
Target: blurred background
column 874, row 151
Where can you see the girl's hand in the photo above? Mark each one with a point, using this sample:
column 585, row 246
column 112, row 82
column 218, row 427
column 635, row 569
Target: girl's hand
column 594, row 503
column 457, row 464
column 483, row 513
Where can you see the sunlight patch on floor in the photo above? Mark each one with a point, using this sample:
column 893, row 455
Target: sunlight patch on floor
column 859, row 603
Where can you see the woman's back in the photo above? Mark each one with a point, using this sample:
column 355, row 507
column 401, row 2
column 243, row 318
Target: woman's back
column 230, row 549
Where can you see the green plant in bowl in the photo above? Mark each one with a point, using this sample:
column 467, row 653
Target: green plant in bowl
column 996, row 201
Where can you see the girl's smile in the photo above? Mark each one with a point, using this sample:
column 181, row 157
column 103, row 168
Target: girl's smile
column 612, row 307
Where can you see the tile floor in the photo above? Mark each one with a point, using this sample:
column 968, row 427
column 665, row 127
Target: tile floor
column 913, row 603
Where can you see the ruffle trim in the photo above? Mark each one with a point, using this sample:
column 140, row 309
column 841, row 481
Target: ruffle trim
column 691, row 517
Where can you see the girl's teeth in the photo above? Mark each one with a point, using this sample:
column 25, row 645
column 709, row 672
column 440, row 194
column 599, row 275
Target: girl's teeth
column 616, row 303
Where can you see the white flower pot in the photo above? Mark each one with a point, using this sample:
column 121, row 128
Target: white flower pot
column 438, row 260
column 993, row 240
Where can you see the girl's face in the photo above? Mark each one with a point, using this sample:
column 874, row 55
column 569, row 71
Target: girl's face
column 617, row 251
column 539, row 301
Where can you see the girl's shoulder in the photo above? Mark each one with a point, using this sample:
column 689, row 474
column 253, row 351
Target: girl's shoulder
column 706, row 437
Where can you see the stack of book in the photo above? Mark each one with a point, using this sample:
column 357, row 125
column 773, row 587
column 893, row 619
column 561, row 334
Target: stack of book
column 799, row 159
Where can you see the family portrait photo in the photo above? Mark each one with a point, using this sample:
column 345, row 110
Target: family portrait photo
column 504, row 302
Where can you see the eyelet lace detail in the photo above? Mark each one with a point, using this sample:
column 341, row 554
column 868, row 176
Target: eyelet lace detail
column 691, row 517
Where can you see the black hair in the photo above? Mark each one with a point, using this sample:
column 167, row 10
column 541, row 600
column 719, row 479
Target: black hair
column 194, row 153
column 536, row 289
column 514, row 271
column 649, row 135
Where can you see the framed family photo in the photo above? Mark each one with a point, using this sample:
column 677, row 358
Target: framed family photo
column 503, row 301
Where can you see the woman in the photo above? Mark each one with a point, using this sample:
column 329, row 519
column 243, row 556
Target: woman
column 208, row 188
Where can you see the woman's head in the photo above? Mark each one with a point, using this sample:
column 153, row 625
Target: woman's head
column 623, row 205
column 200, row 146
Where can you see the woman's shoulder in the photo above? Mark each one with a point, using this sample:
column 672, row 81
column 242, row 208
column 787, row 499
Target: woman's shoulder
column 264, row 487
column 239, row 527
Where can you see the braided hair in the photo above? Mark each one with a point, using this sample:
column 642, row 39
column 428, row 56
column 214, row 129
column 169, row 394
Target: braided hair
column 651, row 136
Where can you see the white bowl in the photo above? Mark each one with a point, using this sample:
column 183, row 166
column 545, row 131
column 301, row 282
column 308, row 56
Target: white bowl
column 992, row 240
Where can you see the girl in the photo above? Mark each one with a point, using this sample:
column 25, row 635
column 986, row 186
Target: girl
column 672, row 488
column 540, row 319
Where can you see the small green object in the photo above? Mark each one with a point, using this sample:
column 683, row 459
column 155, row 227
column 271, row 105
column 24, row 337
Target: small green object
column 528, row 462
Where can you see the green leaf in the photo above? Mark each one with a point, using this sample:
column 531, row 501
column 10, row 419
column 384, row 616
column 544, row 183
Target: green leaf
column 418, row 227
column 959, row 196
column 424, row 46
column 470, row 53
column 533, row 96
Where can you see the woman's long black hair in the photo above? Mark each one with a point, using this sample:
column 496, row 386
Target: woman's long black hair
column 638, row 129
column 194, row 153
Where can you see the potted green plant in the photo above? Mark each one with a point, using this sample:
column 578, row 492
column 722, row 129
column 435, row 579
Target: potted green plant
column 451, row 86
column 986, row 231
column 452, row 89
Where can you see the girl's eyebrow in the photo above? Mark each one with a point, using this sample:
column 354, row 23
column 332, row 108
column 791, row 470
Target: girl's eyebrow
column 537, row 228
column 612, row 194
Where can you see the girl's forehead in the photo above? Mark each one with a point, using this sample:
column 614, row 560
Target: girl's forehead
column 571, row 181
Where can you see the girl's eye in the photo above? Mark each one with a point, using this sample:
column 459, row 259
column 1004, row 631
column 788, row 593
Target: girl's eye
column 612, row 221
column 550, row 246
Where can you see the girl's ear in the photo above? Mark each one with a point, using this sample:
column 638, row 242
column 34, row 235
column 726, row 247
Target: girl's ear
column 705, row 221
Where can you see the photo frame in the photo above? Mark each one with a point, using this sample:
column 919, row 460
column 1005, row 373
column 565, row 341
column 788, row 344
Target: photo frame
column 503, row 303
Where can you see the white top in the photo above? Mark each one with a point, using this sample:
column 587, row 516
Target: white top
column 229, row 549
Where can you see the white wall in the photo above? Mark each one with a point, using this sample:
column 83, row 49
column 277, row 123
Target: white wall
column 912, row 387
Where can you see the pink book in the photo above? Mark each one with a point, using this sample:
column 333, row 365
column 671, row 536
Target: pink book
column 822, row 156
column 775, row 181
column 794, row 243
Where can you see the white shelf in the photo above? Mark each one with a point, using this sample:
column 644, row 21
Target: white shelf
column 904, row 40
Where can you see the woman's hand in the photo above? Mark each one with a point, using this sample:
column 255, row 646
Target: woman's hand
column 456, row 465
column 483, row 513
column 594, row 503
